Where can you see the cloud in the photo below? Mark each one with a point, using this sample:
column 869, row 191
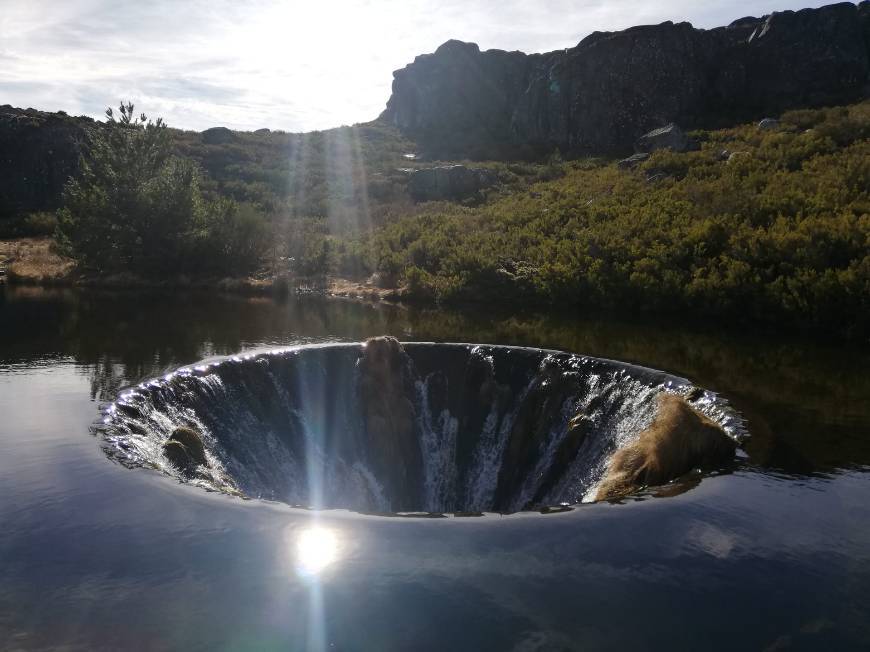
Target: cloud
column 286, row 65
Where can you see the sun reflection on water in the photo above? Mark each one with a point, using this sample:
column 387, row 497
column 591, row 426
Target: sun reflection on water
column 316, row 549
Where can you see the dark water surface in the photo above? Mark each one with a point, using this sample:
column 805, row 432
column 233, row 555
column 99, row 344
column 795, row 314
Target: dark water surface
column 774, row 556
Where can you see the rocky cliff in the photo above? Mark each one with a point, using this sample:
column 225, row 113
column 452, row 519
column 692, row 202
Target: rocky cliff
column 614, row 86
column 38, row 152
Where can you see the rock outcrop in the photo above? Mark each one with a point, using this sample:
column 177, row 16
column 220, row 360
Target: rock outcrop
column 217, row 136
column 185, row 451
column 601, row 95
column 678, row 440
column 39, row 152
column 453, row 182
column 667, row 137
column 633, row 161
column 460, row 93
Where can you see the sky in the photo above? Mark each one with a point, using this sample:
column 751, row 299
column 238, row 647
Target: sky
column 291, row 65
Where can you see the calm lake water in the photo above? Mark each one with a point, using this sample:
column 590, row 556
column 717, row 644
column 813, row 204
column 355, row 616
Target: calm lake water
column 95, row 556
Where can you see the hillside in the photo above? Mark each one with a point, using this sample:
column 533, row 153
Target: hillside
column 763, row 223
column 757, row 226
column 304, row 174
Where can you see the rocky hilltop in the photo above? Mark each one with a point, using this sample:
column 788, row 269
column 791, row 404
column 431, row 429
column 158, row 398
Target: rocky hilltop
column 38, row 152
column 598, row 97
column 614, row 86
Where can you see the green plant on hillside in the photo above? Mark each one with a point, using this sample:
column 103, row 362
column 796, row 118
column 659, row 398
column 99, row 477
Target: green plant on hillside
column 780, row 233
column 135, row 206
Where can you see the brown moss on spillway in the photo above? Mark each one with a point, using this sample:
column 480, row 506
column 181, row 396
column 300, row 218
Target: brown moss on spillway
column 678, row 440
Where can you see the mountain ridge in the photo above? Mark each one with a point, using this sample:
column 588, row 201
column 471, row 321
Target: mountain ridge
column 600, row 95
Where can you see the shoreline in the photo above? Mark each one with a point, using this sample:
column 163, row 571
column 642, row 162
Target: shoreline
column 31, row 262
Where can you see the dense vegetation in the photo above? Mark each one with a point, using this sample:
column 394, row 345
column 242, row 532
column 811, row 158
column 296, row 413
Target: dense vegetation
column 775, row 229
column 757, row 225
column 151, row 199
column 135, row 206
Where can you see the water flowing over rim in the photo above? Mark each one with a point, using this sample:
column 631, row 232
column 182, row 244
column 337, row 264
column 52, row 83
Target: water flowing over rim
column 438, row 433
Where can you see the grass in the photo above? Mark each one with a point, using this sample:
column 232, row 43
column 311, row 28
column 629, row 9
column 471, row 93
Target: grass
column 34, row 261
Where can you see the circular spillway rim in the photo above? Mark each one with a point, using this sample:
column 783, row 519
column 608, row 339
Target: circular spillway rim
column 666, row 380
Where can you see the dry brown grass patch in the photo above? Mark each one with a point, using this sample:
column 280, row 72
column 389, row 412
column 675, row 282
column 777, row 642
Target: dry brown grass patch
column 34, row 260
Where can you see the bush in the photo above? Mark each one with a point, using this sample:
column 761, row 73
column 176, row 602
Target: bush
column 135, row 206
column 29, row 226
column 236, row 237
column 420, row 283
column 39, row 224
column 780, row 235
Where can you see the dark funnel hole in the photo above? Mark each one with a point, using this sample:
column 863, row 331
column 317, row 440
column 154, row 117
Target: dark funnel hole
column 388, row 427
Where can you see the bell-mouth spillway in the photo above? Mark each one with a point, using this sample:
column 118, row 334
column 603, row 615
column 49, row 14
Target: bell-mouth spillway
column 388, row 427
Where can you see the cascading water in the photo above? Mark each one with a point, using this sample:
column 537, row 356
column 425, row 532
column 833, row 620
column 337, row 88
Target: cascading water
column 385, row 427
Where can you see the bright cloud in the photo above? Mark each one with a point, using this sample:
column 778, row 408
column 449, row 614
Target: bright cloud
column 290, row 65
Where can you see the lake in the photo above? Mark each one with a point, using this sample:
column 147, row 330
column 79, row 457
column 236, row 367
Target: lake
column 774, row 555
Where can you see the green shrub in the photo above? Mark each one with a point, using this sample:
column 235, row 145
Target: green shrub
column 135, row 206
column 236, row 237
column 39, row 224
column 781, row 234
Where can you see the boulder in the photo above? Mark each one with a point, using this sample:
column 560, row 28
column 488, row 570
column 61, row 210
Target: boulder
column 217, row 136
column 185, row 450
column 633, row 161
column 735, row 157
column 191, row 440
column 39, row 152
column 667, row 137
column 678, row 440
column 451, row 182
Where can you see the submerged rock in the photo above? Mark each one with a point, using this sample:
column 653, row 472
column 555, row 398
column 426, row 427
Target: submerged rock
column 191, row 440
column 679, row 440
column 185, row 450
